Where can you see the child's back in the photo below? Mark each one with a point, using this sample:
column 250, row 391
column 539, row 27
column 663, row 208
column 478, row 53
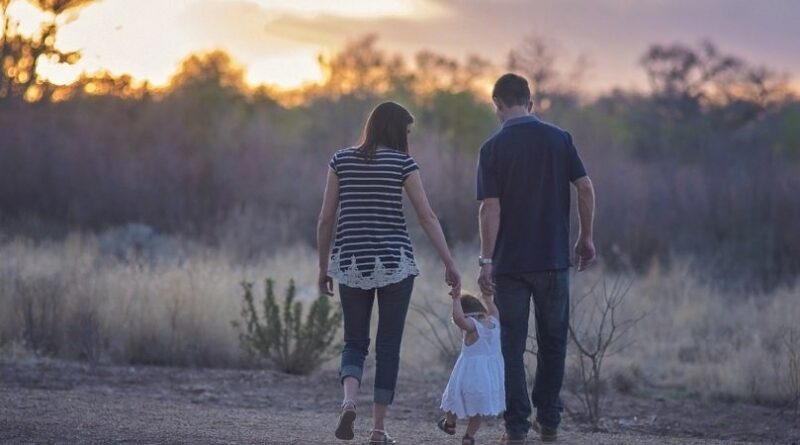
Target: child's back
column 476, row 385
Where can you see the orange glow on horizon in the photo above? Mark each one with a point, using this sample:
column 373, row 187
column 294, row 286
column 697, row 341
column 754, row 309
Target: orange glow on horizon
column 131, row 48
column 278, row 42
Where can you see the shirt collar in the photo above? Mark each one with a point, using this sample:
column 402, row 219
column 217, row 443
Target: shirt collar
column 520, row 120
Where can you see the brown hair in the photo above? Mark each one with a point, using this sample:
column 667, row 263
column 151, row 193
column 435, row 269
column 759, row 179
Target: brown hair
column 386, row 126
column 512, row 89
column 470, row 304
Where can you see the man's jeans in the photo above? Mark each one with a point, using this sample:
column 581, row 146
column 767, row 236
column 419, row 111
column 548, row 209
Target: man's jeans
column 550, row 293
column 357, row 303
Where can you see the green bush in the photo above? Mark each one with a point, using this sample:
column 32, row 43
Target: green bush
column 281, row 337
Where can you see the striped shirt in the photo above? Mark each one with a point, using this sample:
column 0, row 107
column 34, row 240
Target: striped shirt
column 372, row 248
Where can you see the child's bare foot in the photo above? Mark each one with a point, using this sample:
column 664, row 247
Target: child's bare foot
column 467, row 440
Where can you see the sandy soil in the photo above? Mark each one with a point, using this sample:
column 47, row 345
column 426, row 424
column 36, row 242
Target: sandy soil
column 46, row 401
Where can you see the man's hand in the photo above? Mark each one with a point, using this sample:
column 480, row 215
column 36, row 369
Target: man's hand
column 485, row 280
column 584, row 253
column 325, row 283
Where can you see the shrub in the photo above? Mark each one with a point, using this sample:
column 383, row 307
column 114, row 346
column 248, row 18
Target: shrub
column 596, row 330
column 438, row 331
column 790, row 383
column 40, row 307
column 281, row 337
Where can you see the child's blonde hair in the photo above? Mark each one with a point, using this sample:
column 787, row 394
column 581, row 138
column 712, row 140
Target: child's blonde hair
column 472, row 305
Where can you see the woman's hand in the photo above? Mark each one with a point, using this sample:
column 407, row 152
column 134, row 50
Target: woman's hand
column 453, row 279
column 325, row 283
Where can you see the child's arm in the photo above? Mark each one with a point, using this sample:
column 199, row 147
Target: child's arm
column 491, row 308
column 459, row 318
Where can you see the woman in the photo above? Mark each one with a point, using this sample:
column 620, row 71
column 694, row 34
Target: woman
column 372, row 254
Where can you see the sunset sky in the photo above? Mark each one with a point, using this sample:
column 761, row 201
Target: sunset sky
column 278, row 41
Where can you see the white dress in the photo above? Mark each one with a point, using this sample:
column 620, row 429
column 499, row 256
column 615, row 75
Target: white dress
column 477, row 383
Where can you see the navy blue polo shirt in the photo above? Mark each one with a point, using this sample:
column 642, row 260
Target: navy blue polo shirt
column 529, row 165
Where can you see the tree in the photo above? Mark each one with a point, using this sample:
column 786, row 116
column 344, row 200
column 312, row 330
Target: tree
column 536, row 58
column 20, row 54
column 215, row 70
column 687, row 81
column 435, row 72
column 362, row 70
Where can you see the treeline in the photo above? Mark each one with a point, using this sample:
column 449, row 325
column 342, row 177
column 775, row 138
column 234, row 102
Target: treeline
column 705, row 164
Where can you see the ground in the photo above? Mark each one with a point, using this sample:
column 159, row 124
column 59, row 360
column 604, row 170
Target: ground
column 64, row 402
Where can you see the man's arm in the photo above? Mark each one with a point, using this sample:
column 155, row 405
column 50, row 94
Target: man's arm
column 489, row 225
column 584, row 247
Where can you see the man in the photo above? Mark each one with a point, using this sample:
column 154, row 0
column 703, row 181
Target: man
column 524, row 176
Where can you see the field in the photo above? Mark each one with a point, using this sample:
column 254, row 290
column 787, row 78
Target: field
column 698, row 364
column 135, row 214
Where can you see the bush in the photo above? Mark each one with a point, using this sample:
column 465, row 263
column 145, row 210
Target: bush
column 40, row 307
column 438, row 330
column 596, row 329
column 790, row 383
column 280, row 336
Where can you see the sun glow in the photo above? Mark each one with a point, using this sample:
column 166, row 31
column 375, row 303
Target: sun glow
column 148, row 38
column 353, row 8
column 285, row 72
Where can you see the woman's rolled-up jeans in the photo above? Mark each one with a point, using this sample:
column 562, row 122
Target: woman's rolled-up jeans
column 393, row 301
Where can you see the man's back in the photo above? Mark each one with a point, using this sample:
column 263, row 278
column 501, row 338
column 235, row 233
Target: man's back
column 529, row 166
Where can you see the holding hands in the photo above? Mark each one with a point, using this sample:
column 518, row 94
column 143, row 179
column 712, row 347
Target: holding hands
column 485, row 280
column 453, row 279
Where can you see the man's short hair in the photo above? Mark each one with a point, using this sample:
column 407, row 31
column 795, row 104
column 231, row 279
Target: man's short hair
column 512, row 90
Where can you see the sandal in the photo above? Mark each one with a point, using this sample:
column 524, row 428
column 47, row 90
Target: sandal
column 344, row 430
column 387, row 439
column 467, row 440
column 449, row 428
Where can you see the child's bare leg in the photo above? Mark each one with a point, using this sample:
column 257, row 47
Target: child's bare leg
column 451, row 418
column 473, row 425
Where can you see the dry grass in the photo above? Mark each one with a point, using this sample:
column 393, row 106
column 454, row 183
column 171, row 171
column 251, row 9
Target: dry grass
column 74, row 299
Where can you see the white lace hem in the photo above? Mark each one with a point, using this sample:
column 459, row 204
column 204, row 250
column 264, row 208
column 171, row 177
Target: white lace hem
column 462, row 413
column 381, row 275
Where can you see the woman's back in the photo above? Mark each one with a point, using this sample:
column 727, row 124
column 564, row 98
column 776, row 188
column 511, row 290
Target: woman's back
column 372, row 248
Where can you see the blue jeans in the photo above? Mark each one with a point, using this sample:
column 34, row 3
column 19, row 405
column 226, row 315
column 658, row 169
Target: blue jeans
column 549, row 291
column 357, row 303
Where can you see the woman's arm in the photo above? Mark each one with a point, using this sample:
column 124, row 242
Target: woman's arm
column 459, row 319
column 327, row 215
column 430, row 224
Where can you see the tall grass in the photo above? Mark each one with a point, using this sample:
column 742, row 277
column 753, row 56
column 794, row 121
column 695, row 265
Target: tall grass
column 248, row 174
column 77, row 299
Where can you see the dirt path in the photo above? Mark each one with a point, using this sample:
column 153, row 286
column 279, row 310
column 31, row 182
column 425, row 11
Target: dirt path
column 57, row 402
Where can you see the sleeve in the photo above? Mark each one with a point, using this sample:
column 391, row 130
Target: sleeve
column 576, row 169
column 334, row 163
column 409, row 166
column 487, row 175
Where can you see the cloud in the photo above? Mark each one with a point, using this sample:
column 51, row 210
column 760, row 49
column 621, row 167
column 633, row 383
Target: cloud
column 613, row 33
column 148, row 37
